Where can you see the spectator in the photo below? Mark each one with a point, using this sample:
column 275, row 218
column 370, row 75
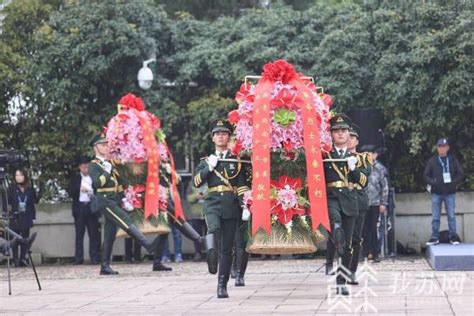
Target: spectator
column 196, row 198
column 22, row 199
column 80, row 190
column 443, row 174
column 177, row 240
column 377, row 191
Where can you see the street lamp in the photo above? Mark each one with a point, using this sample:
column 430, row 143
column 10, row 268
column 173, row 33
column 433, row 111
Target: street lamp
column 145, row 75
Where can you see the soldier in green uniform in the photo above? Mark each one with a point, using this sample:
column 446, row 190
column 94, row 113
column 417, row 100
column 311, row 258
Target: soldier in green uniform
column 342, row 198
column 109, row 198
column 222, row 206
column 364, row 163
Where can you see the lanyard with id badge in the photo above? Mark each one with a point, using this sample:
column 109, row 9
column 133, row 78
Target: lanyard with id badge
column 22, row 204
column 446, row 174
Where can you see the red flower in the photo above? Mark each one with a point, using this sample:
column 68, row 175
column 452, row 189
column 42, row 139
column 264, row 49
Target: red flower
column 237, row 148
column 244, row 93
column 286, row 99
column 234, row 117
column 139, row 104
column 288, row 146
column 280, row 70
column 131, row 101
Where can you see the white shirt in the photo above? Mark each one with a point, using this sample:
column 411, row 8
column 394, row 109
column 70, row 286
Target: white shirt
column 86, row 188
column 106, row 164
column 344, row 150
column 224, row 154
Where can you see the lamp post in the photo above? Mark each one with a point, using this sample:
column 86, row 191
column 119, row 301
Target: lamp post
column 145, row 75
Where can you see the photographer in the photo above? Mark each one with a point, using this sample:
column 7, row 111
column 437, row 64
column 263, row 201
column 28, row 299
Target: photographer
column 22, row 199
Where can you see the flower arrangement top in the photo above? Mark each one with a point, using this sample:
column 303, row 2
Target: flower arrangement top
column 285, row 111
column 125, row 131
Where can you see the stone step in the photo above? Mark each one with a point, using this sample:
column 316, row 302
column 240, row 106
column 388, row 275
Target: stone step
column 447, row 257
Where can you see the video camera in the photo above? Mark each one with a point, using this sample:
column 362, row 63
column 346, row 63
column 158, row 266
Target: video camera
column 11, row 156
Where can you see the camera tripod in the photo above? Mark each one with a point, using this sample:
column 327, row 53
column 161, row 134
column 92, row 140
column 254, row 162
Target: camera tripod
column 9, row 233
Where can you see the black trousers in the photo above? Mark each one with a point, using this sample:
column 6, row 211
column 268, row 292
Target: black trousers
column 25, row 233
column 85, row 219
column 133, row 250
column 371, row 241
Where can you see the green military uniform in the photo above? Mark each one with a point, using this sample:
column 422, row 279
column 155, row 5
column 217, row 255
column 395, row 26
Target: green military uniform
column 364, row 163
column 108, row 192
column 342, row 198
column 222, row 210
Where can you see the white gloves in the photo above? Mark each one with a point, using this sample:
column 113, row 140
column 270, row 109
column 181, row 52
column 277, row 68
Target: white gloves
column 168, row 168
column 126, row 205
column 245, row 213
column 212, row 161
column 107, row 166
column 351, row 163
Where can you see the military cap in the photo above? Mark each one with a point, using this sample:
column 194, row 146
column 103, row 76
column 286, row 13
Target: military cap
column 340, row 121
column 354, row 130
column 221, row 125
column 98, row 139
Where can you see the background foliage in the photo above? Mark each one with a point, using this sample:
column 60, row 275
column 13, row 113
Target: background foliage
column 64, row 65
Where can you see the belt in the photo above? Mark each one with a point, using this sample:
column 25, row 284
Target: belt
column 340, row 184
column 220, row 188
column 110, row 190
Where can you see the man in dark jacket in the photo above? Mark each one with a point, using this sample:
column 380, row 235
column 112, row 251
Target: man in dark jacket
column 443, row 174
column 80, row 190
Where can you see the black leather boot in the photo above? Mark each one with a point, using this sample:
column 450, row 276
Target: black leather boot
column 233, row 270
column 136, row 234
column 343, row 271
column 188, row 231
column 212, row 254
column 356, row 248
column 223, row 277
column 330, row 253
column 105, row 268
column 339, row 241
column 157, row 265
column 242, row 259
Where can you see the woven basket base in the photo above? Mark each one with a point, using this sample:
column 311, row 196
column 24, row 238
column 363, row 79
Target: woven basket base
column 281, row 250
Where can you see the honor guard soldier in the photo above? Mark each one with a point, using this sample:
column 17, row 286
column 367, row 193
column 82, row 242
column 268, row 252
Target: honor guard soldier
column 342, row 198
column 109, row 198
column 364, row 163
column 222, row 206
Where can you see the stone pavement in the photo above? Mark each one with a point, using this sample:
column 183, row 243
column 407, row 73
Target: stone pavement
column 282, row 286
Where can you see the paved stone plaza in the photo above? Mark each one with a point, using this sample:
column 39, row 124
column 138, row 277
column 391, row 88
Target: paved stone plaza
column 282, row 286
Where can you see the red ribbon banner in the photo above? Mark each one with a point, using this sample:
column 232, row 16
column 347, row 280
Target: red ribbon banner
column 261, row 157
column 314, row 161
column 178, row 208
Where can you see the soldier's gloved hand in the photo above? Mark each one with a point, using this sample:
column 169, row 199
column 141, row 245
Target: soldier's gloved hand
column 212, row 161
column 351, row 163
column 245, row 213
column 168, row 168
column 127, row 205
